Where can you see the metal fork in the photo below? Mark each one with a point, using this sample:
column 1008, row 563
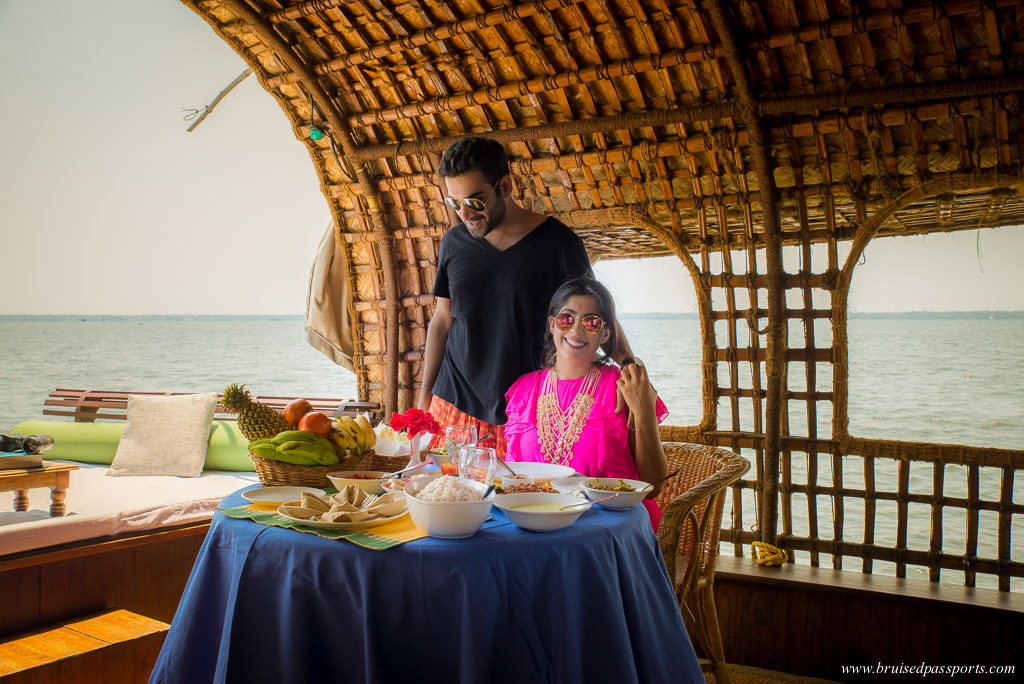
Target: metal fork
column 370, row 500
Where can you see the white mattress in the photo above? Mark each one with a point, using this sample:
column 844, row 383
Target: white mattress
column 98, row 505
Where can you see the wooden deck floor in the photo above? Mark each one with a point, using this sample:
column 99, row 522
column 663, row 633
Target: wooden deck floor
column 742, row 674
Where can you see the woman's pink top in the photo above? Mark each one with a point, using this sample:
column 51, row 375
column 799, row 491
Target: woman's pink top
column 603, row 447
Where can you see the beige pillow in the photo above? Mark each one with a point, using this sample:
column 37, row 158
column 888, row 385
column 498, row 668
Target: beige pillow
column 165, row 435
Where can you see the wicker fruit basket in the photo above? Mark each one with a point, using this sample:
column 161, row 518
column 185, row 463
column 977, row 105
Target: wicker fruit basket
column 277, row 473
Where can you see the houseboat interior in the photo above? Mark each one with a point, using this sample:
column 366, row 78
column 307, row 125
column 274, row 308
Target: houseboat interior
column 764, row 144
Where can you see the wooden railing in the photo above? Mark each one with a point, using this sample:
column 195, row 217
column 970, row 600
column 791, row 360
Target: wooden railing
column 88, row 406
column 983, row 547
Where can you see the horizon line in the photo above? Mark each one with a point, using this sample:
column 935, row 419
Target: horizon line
column 621, row 313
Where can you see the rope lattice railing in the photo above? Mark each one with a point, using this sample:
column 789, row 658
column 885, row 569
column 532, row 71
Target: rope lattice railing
column 734, row 136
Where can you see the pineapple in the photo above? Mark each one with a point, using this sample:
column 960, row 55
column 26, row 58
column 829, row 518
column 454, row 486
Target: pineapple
column 255, row 420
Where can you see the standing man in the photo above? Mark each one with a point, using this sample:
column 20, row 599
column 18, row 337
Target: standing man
column 496, row 271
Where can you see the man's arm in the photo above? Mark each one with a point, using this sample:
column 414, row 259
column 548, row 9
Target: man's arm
column 433, row 352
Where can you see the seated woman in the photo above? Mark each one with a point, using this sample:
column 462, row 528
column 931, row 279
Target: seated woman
column 565, row 412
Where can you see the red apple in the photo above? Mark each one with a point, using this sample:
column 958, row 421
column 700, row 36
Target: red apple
column 294, row 411
column 317, row 422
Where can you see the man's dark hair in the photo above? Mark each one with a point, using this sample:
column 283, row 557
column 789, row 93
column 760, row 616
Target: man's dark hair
column 483, row 154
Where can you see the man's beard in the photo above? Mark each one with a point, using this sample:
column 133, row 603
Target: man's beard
column 491, row 221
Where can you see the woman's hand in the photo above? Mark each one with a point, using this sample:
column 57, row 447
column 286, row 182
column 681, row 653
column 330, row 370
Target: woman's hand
column 636, row 389
column 638, row 393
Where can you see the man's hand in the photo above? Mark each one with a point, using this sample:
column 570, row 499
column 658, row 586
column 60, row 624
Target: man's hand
column 621, row 402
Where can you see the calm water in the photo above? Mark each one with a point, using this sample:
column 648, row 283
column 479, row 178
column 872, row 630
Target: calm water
column 957, row 381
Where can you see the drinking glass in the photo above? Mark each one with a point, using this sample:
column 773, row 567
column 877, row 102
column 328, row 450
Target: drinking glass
column 478, row 463
column 456, row 437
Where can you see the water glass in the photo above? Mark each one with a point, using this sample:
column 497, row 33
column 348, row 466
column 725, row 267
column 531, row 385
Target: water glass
column 456, row 437
column 478, row 463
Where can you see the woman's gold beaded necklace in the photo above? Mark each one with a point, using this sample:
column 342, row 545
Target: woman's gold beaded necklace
column 558, row 431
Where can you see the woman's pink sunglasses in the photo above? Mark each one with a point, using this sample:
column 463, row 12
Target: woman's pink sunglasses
column 592, row 323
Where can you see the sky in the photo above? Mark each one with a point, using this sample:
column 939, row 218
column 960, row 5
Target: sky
column 108, row 206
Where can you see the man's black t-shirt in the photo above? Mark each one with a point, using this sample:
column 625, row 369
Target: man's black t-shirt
column 499, row 306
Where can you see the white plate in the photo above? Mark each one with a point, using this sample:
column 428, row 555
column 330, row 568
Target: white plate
column 540, row 471
column 341, row 525
column 279, row 495
column 569, row 485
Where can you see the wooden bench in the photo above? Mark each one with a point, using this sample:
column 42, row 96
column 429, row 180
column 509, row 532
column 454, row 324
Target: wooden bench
column 117, row 646
column 88, row 406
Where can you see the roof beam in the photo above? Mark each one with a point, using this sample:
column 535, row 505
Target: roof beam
column 797, row 104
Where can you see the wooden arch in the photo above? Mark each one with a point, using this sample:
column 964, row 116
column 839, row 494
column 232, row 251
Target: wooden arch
column 993, row 184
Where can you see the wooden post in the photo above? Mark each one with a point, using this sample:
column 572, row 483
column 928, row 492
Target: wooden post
column 775, row 354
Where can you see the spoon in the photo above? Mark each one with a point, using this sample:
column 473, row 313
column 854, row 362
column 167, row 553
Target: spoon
column 399, row 472
column 585, row 503
column 650, row 485
column 514, row 474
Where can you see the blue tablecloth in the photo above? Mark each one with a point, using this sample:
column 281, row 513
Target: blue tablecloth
column 592, row 603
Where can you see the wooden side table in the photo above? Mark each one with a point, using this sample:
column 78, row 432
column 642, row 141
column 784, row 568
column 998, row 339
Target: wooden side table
column 56, row 476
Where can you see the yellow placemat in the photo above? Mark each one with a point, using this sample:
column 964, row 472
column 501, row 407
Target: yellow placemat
column 371, row 537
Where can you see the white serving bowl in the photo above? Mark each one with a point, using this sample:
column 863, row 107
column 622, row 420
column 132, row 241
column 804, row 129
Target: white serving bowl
column 447, row 519
column 541, row 521
column 343, row 478
column 540, row 472
column 569, row 485
column 622, row 499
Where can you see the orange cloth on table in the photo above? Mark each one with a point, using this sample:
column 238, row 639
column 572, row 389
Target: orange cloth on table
column 446, row 414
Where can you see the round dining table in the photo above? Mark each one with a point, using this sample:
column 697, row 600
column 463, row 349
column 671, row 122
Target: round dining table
column 590, row 603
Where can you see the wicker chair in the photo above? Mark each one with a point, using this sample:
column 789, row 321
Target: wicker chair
column 692, row 504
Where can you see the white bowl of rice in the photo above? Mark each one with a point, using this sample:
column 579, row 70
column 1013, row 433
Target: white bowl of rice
column 447, row 506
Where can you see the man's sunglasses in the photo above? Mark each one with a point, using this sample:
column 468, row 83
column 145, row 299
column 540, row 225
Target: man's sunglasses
column 592, row 323
column 474, row 203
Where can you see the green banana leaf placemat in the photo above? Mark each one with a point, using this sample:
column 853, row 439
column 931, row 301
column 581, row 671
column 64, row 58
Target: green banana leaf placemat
column 378, row 537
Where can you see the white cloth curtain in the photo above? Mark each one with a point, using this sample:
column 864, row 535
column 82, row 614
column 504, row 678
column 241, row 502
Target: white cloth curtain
column 328, row 327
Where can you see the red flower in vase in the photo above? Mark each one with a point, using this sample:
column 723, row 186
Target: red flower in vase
column 415, row 421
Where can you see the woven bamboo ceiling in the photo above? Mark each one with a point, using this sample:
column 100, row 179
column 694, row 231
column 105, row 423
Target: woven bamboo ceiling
column 650, row 126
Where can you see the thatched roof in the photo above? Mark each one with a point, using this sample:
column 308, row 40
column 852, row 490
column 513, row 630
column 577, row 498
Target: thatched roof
column 650, row 126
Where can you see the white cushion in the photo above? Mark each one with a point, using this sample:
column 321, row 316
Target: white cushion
column 165, row 435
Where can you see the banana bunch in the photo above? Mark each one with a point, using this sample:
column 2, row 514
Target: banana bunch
column 297, row 447
column 353, row 435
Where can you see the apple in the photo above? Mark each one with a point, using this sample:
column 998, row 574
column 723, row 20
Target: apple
column 294, row 411
column 317, row 422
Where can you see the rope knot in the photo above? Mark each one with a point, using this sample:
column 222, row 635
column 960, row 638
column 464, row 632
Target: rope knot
column 766, row 554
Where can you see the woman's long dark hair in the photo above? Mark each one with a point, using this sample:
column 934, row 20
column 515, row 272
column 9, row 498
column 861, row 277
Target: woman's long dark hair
column 605, row 307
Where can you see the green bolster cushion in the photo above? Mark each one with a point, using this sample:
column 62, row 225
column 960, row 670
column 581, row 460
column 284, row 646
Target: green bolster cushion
column 81, row 442
column 228, row 449
column 97, row 443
